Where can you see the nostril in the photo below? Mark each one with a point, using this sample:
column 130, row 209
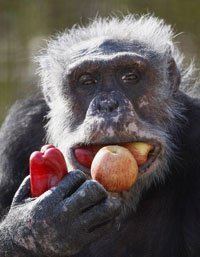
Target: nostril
column 107, row 106
column 98, row 106
column 113, row 106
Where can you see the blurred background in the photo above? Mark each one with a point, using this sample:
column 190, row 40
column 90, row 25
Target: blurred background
column 25, row 24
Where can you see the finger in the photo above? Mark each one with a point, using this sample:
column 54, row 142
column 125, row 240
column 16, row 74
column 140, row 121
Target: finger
column 66, row 187
column 101, row 214
column 89, row 194
column 23, row 192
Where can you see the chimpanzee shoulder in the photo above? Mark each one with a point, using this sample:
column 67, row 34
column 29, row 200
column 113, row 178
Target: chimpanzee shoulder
column 193, row 114
column 191, row 198
column 21, row 133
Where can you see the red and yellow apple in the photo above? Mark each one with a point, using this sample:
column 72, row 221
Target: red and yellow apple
column 115, row 168
column 140, row 151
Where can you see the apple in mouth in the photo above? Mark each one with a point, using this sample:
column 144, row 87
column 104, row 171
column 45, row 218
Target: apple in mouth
column 116, row 167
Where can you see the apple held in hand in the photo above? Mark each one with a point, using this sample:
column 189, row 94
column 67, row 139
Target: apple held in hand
column 115, row 168
column 47, row 168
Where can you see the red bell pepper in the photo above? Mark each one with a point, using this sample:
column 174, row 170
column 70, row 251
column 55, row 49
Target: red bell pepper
column 47, row 168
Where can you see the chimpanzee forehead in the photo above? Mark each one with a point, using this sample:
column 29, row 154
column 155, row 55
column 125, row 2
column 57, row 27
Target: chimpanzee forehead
column 98, row 47
column 109, row 46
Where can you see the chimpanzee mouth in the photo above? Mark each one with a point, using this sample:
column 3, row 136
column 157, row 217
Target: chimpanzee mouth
column 83, row 155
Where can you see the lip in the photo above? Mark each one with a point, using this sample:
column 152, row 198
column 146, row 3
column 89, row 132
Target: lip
column 148, row 167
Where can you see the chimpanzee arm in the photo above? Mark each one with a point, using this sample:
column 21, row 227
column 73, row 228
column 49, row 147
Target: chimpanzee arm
column 21, row 133
column 61, row 221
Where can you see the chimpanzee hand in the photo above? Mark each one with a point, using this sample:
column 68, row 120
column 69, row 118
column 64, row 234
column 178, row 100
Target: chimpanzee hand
column 64, row 219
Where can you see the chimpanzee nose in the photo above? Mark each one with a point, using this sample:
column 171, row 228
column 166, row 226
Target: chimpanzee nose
column 107, row 105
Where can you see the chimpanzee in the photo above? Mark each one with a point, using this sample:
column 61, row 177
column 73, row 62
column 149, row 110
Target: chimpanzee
column 115, row 81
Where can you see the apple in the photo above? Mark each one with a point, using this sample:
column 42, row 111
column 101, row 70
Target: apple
column 140, row 151
column 115, row 168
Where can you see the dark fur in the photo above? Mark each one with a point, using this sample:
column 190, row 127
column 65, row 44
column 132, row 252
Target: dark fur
column 22, row 133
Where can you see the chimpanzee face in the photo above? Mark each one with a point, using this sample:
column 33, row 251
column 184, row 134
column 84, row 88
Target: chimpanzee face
column 115, row 93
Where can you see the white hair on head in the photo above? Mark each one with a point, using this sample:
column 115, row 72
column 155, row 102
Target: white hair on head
column 147, row 29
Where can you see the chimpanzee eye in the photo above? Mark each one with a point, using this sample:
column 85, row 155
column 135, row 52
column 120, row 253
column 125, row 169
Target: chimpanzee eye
column 130, row 77
column 87, row 79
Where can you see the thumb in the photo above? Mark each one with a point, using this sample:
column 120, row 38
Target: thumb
column 23, row 192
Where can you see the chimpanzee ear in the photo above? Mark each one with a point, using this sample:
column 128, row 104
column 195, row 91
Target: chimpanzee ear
column 173, row 75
